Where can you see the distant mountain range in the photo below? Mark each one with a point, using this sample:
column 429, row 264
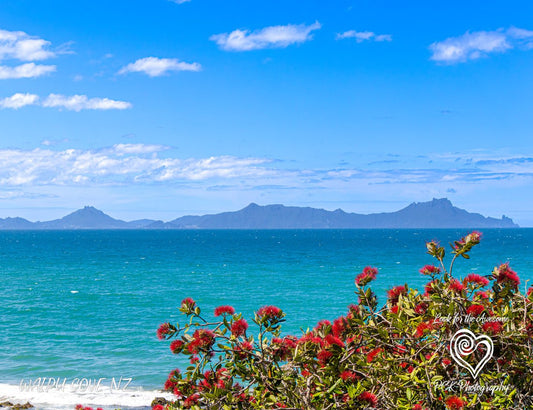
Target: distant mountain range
column 438, row 213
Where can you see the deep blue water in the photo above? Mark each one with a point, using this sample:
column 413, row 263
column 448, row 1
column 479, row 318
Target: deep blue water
column 88, row 303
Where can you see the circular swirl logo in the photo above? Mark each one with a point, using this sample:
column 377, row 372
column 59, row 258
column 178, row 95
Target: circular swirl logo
column 464, row 343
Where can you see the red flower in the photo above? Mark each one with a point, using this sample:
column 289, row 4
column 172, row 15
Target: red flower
column 188, row 302
column 429, row 270
column 238, row 328
column 370, row 356
column 323, row 356
column 203, row 340
column 504, row 274
column 493, row 327
column 321, row 325
column 476, row 279
column 394, row 309
column 456, row 286
column 366, row 276
column 348, row 376
column 339, row 326
column 475, row 310
column 482, row 295
column 421, row 308
column 430, row 287
column 369, row 397
column 331, row 340
column 394, row 294
column 283, row 348
column 164, row 330
column 422, row 327
column 224, row 310
column 454, row 403
column 176, row 346
column 244, row 349
column 270, row 312
column 473, row 238
column 191, row 400
column 446, row 362
column 158, row 407
column 400, row 349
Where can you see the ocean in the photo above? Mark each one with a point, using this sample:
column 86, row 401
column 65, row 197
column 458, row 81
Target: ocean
column 83, row 306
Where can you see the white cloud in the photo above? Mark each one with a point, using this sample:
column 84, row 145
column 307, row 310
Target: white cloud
column 28, row 70
column 471, row 46
column 121, row 163
column 19, row 100
column 82, row 102
column 155, row 67
column 268, row 37
column 72, row 103
column 361, row 36
column 125, row 149
column 20, row 46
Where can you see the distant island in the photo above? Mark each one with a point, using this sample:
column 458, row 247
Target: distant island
column 438, row 213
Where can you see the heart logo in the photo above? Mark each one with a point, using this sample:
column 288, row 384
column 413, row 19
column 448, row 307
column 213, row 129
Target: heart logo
column 464, row 343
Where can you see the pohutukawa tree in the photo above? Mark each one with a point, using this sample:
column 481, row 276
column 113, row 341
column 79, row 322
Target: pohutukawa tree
column 394, row 357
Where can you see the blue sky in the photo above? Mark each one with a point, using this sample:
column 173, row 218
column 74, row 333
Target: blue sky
column 163, row 108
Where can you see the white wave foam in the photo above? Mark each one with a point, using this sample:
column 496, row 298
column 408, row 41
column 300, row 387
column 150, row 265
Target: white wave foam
column 55, row 399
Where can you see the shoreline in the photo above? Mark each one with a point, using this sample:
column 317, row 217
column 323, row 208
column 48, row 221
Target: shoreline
column 59, row 399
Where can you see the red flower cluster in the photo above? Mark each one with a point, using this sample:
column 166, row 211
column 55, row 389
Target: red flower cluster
column 221, row 379
column 243, row 350
column 421, row 308
column 429, row 270
column 454, row 403
column 270, row 312
column 188, row 302
column 367, row 275
column 475, row 310
column 320, row 326
column 430, row 325
column 176, row 346
column 339, row 326
column 430, row 287
column 394, row 294
column 476, row 279
column 493, row 327
column 191, row 400
column 172, row 379
column 482, row 295
column 468, row 241
column 456, row 286
column 332, row 340
column 283, row 348
column 371, row 356
column 504, row 274
column 188, row 306
column 323, row 356
column 348, row 376
column 239, row 327
column 164, row 330
column 473, row 238
column 369, row 398
column 224, row 310
column 203, row 340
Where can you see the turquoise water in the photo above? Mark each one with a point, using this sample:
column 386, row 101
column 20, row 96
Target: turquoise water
column 88, row 303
